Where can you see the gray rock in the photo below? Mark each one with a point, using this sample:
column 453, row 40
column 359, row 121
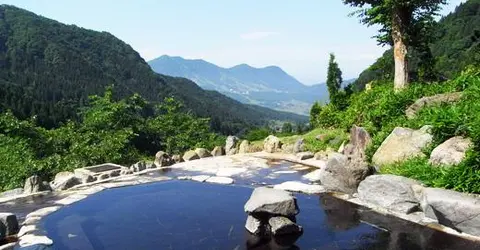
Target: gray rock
column 451, row 152
column 126, row 172
column 34, row 184
column 139, row 166
column 391, row 192
column 271, row 144
column 11, row 193
column 254, row 225
column 104, row 176
column 177, row 158
column 453, row 209
column 360, row 139
column 151, row 165
column 244, row 147
column 272, row 201
column 343, row 175
column 190, row 156
column 64, row 181
column 202, row 153
column 162, row 159
column 305, row 156
column 288, row 148
column 280, row 225
column 218, row 151
column 412, row 111
column 402, row 144
column 9, row 223
column 299, row 146
column 84, row 177
column 115, row 173
column 231, row 145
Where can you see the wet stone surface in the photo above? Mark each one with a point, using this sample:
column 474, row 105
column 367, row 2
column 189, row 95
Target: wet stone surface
column 192, row 215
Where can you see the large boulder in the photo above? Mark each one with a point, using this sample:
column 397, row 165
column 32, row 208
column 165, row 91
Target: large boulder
column 343, row 175
column 231, row 145
column 34, row 184
column 271, row 201
column 299, row 146
column 359, row 141
column 453, row 209
column 162, row 159
column 218, row 151
column 451, row 152
column 271, row 144
column 177, row 158
column 8, row 225
column 202, row 153
column 190, row 156
column 391, row 192
column 244, row 147
column 280, row 225
column 402, row 144
column 412, row 111
column 64, row 181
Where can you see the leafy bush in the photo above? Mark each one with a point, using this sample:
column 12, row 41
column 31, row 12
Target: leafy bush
column 122, row 131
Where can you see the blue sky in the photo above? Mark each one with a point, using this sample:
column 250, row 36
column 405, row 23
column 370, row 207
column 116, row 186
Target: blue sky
column 295, row 35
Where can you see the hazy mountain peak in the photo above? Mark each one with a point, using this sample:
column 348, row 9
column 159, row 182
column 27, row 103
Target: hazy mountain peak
column 268, row 86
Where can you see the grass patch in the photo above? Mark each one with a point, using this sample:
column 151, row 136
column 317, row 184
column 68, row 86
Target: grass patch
column 463, row 178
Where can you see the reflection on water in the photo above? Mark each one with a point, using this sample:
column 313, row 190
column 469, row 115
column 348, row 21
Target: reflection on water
column 190, row 215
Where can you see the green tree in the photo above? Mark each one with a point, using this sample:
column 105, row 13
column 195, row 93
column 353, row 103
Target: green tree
column 402, row 23
column 314, row 112
column 287, row 128
column 334, row 80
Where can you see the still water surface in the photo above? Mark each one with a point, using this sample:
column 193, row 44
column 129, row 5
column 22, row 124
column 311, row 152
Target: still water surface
column 190, row 215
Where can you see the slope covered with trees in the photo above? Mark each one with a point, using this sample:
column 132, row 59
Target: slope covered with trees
column 455, row 44
column 48, row 70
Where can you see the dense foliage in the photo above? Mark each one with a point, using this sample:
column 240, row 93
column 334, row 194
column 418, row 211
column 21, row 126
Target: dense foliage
column 455, row 44
column 121, row 131
column 49, row 69
column 380, row 110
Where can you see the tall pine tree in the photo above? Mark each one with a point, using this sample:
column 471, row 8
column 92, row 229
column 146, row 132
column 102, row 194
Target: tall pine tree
column 334, row 80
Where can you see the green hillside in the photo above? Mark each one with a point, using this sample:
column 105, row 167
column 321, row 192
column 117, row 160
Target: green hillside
column 49, row 69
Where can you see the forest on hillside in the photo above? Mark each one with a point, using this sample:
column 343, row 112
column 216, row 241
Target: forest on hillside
column 48, row 70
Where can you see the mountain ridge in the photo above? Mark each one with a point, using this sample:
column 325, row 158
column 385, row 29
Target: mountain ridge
column 268, row 86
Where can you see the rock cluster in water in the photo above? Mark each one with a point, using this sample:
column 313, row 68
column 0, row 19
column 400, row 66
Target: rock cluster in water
column 271, row 214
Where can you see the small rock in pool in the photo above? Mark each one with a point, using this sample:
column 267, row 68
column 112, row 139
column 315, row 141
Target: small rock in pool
column 282, row 225
column 254, row 225
column 271, row 201
column 200, row 178
column 296, row 186
column 220, row 180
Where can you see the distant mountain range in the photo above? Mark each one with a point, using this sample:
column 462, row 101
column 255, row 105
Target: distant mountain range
column 270, row 87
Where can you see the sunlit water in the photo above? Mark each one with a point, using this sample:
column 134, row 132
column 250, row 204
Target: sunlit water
column 190, row 215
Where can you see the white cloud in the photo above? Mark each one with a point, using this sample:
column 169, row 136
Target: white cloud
column 257, row 35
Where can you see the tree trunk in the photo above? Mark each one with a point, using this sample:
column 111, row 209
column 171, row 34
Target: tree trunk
column 400, row 54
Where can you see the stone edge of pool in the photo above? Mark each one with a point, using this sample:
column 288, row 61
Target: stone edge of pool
column 31, row 233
